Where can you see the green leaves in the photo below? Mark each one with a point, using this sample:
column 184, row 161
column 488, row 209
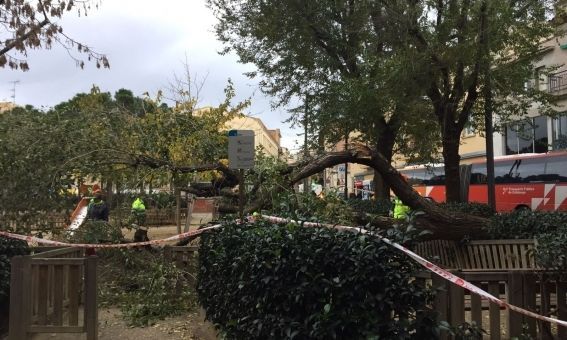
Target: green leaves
column 264, row 281
column 8, row 249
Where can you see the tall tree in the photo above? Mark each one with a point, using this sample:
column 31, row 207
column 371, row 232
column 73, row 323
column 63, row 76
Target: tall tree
column 382, row 58
column 27, row 25
column 448, row 45
column 339, row 53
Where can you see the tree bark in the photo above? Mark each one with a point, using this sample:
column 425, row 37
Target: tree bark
column 443, row 224
column 385, row 147
column 451, row 157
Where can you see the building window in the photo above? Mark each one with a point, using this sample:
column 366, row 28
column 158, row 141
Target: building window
column 560, row 132
column 527, row 136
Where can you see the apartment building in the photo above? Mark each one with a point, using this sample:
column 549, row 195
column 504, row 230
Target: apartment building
column 266, row 139
column 535, row 133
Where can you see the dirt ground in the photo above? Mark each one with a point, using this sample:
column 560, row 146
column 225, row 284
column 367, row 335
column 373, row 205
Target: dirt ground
column 112, row 326
column 156, row 233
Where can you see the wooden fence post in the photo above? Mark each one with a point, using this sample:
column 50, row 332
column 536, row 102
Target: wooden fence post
column 494, row 311
column 441, row 302
column 20, row 288
column 561, row 308
column 178, row 210
column 515, row 297
column 456, row 304
column 91, row 311
column 190, row 203
column 529, row 285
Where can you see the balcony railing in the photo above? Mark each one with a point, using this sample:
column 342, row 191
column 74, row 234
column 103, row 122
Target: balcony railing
column 557, row 82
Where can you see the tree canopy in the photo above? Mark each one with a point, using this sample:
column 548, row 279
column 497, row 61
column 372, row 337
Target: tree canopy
column 393, row 69
column 98, row 136
column 27, row 25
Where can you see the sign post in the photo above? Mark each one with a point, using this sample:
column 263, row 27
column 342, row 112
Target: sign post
column 241, row 156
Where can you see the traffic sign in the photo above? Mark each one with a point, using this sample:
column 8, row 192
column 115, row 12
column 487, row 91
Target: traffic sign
column 241, row 149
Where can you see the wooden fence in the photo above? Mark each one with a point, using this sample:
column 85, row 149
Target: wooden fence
column 46, row 292
column 480, row 255
column 506, row 269
column 533, row 291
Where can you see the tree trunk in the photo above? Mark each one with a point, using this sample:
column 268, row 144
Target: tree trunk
column 385, row 147
column 452, row 159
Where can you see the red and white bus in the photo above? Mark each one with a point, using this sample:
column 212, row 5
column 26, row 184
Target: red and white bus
column 523, row 181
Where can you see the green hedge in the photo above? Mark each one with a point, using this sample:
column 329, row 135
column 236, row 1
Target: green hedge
column 8, row 249
column 477, row 209
column 525, row 224
column 380, row 207
column 265, row 281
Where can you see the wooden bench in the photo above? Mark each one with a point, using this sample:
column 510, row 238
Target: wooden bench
column 485, row 255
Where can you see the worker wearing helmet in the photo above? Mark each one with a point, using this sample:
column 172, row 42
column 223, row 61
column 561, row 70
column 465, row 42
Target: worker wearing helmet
column 97, row 209
column 139, row 211
column 400, row 209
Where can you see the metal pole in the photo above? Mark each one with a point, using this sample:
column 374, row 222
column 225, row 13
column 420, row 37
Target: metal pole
column 489, row 144
column 306, row 188
column 346, row 168
column 241, row 194
column 488, row 120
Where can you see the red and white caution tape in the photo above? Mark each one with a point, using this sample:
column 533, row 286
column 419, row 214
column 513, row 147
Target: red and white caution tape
column 33, row 239
column 431, row 267
column 425, row 263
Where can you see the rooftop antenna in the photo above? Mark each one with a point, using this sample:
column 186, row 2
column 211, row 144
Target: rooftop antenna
column 13, row 96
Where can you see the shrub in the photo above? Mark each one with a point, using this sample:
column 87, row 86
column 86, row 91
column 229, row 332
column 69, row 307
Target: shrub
column 95, row 232
column 8, row 249
column 308, row 207
column 143, row 285
column 265, row 281
column 548, row 228
column 525, row 224
column 477, row 209
column 381, row 207
column 551, row 251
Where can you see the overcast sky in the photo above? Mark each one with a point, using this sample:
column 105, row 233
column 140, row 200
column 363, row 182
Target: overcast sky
column 146, row 44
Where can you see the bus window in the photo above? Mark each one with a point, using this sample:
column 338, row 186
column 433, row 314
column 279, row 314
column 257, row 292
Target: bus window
column 434, row 176
column 529, row 171
column 478, row 174
column 504, row 172
column 414, row 177
column 556, row 170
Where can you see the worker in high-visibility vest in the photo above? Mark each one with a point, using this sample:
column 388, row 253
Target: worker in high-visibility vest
column 400, row 209
column 139, row 211
column 139, row 216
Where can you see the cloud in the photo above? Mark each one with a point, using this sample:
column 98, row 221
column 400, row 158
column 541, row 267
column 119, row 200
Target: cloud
column 146, row 44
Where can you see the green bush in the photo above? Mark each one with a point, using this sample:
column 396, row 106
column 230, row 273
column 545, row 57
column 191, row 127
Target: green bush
column 95, row 232
column 8, row 249
column 477, row 209
column 381, row 207
column 264, row 281
column 551, row 251
column 143, row 285
column 308, row 207
column 525, row 224
column 548, row 228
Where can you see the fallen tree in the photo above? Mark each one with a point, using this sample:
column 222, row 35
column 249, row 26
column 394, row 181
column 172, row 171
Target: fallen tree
column 442, row 223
